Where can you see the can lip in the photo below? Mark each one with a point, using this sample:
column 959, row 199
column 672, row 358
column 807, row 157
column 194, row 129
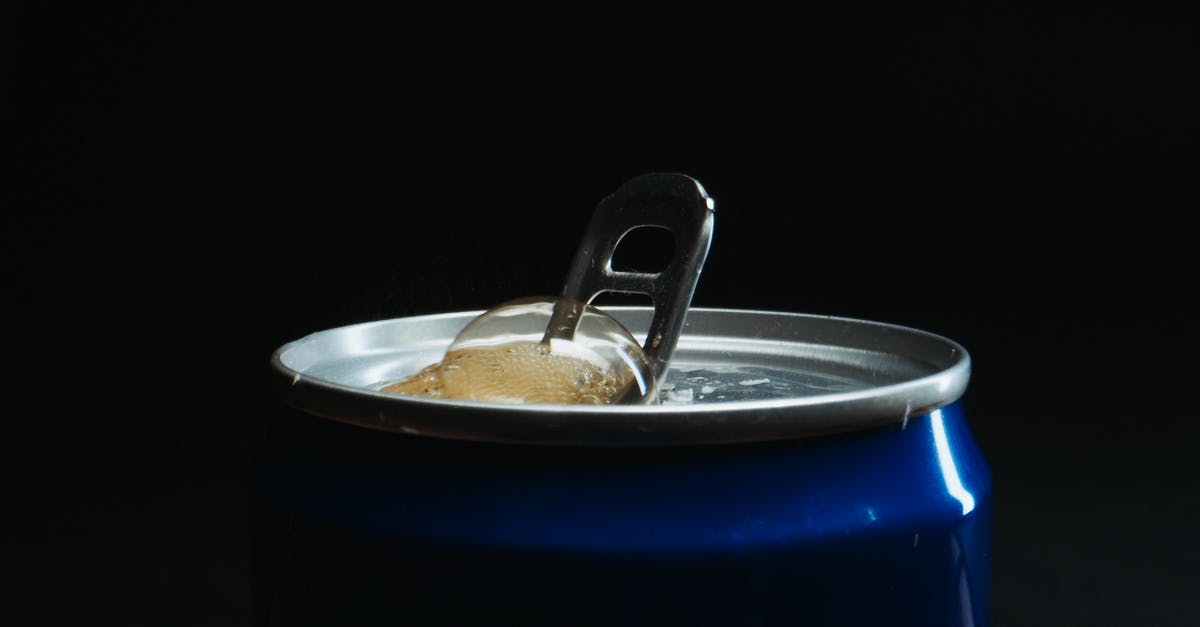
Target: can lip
column 916, row 372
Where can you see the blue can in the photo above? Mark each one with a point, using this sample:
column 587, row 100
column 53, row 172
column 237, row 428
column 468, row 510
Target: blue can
column 800, row 470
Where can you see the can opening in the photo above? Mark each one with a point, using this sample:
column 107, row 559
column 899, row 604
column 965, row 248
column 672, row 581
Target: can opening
column 574, row 352
column 737, row 375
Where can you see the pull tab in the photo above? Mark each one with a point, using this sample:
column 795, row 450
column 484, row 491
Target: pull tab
column 675, row 202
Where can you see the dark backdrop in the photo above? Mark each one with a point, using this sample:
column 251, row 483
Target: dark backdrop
column 194, row 184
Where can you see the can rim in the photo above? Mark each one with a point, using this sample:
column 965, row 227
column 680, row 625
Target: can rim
column 757, row 420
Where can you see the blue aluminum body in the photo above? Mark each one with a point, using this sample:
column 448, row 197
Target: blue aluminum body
column 886, row 526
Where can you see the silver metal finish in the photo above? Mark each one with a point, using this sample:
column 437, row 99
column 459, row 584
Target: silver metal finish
column 736, row 376
column 675, row 202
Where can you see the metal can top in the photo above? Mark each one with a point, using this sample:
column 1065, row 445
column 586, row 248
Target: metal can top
column 736, row 376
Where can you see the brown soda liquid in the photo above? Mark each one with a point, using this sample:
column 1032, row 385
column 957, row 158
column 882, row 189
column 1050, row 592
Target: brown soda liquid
column 524, row 372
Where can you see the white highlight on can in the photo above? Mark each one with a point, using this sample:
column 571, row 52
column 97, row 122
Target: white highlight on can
column 946, row 461
column 680, row 396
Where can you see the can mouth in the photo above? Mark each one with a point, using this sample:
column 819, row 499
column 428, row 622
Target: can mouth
column 736, row 376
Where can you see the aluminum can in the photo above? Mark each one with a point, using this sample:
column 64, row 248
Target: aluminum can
column 800, row 470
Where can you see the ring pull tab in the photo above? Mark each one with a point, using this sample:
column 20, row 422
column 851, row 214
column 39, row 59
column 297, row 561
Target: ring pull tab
column 675, row 202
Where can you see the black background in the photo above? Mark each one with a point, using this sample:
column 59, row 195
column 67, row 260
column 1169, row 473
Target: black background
column 194, row 184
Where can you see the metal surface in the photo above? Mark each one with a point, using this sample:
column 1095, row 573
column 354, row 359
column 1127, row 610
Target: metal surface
column 732, row 503
column 675, row 202
column 884, row 526
column 736, row 376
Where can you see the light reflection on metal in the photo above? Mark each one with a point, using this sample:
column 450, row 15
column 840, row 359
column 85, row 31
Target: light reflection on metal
column 946, row 461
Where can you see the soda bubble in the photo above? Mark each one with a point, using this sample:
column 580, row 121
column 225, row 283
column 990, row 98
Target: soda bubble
column 503, row 356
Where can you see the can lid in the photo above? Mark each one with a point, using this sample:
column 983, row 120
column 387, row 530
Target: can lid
column 736, row 376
